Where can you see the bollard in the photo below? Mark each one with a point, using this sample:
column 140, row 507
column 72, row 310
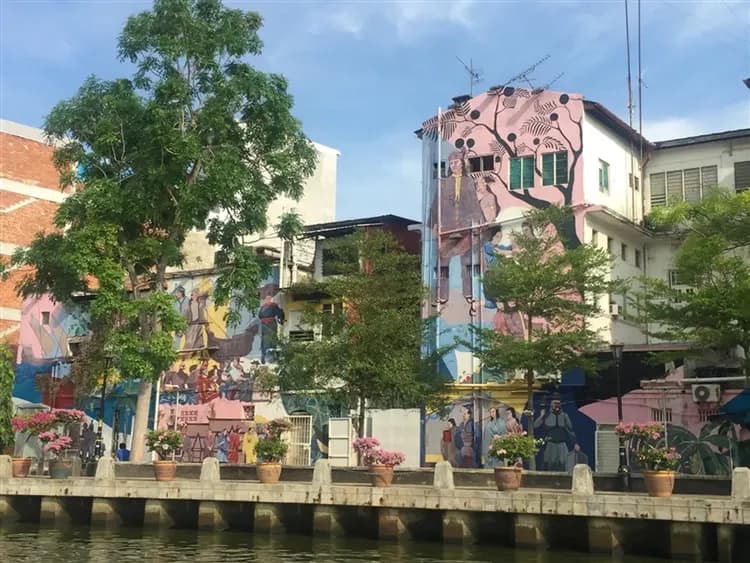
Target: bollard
column 741, row 483
column 105, row 469
column 583, row 480
column 6, row 467
column 322, row 473
column 443, row 476
column 210, row 470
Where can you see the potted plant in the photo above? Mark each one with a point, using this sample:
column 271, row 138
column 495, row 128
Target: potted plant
column 271, row 449
column 60, row 466
column 510, row 450
column 51, row 427
column 164, row 443
column 658, row 461
column 380, row 462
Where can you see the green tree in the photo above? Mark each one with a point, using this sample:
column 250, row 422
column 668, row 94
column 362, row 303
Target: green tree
column 712, row 260
column 7, row 362
column 197, row 139
column 369, row 351
column 551, row 289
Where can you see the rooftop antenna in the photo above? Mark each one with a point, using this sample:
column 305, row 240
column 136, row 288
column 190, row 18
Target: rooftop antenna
column 475, row 76
column 551, row 82
column 524, row 75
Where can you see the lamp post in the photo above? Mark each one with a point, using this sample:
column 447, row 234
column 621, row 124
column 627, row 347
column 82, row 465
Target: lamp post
column 99, row 445
column 623, row 473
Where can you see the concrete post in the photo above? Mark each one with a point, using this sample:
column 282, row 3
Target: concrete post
column 268, row 518
column 210, row 470
column 52, row 510
column 391, row 525
column 322, row 473
column 687, row 540
column 443, row 476
column 606, row 535
column 211, row 516
column 156, row 514
column 459, row 526
column 327, row 521
column 583, row 480
column 104, row 513
column 105, row 469
column 6, row 467
column 530, row 530
column 741, row 483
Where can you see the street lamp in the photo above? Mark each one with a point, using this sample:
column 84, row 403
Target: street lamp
column 622, row 469
column 99, row 445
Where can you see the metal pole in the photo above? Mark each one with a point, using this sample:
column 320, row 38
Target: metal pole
column 623, row 472
column 99, row 445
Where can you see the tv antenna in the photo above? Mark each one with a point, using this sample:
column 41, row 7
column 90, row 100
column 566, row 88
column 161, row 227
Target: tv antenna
column 475, row 76
column 524, row 75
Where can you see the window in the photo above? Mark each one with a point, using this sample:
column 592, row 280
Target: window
column 741, row 176
column 555, row 168
column 434, row 170
column 634, row 182
column 704, row 415
column 522, row 172
column 330, row 308
column 624, row 252
column 661, row 415
column 476, row 269
column 637, row 257
column 610, row 245
column 690, row 184
column 45, row 318
column 677, row 283
column 444, row 272
column 481, row 163
column 301, row 335
column 603, row 176
column 594, row 237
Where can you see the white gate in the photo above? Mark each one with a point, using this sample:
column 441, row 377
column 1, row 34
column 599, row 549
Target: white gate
column 300, row 436
column 339, row 441
column 607, row 449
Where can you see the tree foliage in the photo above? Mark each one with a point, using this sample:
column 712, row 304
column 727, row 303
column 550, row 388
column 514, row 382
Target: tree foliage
column 197, row 139
column 712, row 260
column 550, row 289
column 369, row 353
column 7, row 436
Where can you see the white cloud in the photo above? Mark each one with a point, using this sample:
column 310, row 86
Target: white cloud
column 409, row 19
column 734, row 116
column 719, row 19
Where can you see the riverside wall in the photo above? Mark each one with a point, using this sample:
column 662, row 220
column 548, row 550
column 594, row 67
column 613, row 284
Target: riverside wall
column 709, row 528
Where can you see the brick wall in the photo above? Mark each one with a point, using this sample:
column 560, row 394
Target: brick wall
column 27, row 161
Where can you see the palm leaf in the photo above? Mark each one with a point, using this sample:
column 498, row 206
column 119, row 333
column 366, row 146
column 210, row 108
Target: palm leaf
column 537, row 126
column 552, row 143
column 544, row 108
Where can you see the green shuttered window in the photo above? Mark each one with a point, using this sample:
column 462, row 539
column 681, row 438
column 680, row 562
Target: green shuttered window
column 554, row 168
column 522, row 172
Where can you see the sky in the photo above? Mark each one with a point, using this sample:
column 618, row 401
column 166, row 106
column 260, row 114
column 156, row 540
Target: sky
column 365, row 75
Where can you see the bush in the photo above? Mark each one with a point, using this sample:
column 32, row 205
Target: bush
column 372, row 454
column 271, row 448
column 511, row 447
column 164, row 442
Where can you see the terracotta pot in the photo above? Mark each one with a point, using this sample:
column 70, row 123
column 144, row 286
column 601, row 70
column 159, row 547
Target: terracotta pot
column 268, row 472
column 659, row 483
column 382, row 475
column 508, row 478
column 165, row 470
column 60, row 468
column 21, row 466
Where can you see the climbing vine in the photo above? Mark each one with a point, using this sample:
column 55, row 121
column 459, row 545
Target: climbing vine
column 7, row 435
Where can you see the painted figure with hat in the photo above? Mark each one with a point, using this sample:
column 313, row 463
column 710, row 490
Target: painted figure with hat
column 558, row 434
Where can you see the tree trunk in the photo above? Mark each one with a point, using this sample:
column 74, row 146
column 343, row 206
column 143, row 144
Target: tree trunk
column 530, row 399
column 140, row 425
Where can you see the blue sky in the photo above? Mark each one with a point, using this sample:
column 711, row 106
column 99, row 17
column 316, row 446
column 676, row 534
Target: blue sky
column 366, row 74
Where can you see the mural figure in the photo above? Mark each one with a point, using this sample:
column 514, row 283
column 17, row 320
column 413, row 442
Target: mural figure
column 235, row 445
column 447, row 444
column 492, row 246
column 467, row 432
column 575, row 457
column 249, row 439
column 495, row 427
column 558, row 434
column 195, row 336
column 512, row 424
column 319, row 445
column 270, row 315
column 181, row 306
column 221, row 444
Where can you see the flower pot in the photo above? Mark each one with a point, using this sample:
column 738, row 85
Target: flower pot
column 165, row 470
column 508, row 478
column 659, row 483
column 60, row 468
column 382, row 475
column 268, row 472
column 21, row 466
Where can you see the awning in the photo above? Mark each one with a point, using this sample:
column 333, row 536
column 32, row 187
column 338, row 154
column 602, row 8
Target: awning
column 737, row 410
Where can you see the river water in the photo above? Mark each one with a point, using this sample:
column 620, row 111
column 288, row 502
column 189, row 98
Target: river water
column 31, row 543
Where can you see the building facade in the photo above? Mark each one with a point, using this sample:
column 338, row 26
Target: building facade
column 488, row 160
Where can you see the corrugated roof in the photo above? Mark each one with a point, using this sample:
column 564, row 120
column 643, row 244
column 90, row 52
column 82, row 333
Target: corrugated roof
column 334, row 228
column 707, row 138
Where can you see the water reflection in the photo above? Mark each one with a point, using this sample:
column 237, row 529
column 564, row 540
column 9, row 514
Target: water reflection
column 32, row 543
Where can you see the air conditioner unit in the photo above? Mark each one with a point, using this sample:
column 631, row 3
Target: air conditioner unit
column 614, row 309
column 706, row 393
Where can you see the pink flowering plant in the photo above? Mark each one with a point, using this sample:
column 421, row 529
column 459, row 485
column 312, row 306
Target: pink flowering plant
column 164, row 442
column 44, row 421
column 646, row 441
column 371, row 453
column 658, row 459
column 509, row 448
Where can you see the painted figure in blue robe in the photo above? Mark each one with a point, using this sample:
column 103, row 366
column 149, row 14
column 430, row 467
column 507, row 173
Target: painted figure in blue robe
column 495, row 426
column 222, row 447
column 491, row 247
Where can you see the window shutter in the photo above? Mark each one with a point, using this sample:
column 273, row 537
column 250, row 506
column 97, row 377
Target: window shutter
column 528, row 172
column 605, row 173
column 692, row 184
column 674, row 186
column 515, row 173
column 561, row 168
column 548, row 169
column 658, row 189
column 709, row 178
column 742, row 176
